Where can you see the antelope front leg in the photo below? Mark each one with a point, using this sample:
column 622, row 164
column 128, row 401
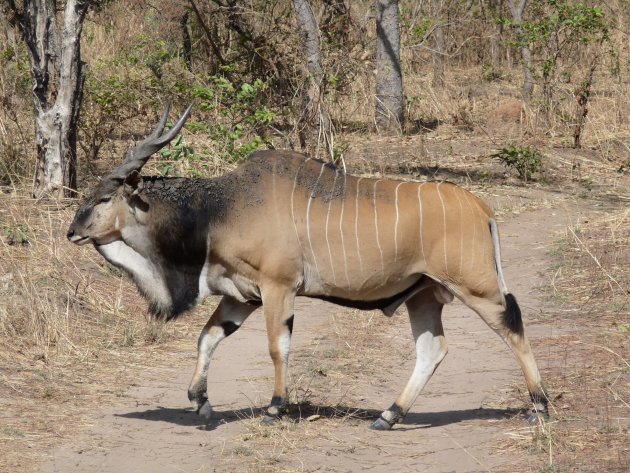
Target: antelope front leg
column 278, row 310
column 226, row 319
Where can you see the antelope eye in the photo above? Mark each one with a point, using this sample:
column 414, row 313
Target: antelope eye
column 104, row 199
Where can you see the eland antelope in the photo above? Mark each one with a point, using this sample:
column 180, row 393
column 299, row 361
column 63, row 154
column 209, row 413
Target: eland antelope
column 284, row 225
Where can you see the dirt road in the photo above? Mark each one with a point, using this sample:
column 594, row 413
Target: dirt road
column 453, row 426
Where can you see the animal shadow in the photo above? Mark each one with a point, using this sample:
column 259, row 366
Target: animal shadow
column 301, row 412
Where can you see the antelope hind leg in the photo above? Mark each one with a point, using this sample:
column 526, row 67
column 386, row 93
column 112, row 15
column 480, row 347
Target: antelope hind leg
column 425, row 316
column 494, row 315
column 225, row 320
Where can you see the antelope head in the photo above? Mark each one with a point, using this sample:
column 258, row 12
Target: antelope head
column 116, row 201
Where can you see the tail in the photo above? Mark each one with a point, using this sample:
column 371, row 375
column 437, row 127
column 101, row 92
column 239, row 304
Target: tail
column 512, row 318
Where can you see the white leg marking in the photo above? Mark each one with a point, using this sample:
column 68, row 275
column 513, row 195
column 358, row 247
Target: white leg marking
column 332, row 264
column 343, row 246
column 378, row 243
column 421, row 222
column 429, row 354
column 356, row 225
column 396, row 225
column 284, row 346
column 444, row 221
column 297, row 235
column 207, row 345
column 308, row 221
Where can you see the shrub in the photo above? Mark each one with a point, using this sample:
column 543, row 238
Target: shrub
column 525, row 159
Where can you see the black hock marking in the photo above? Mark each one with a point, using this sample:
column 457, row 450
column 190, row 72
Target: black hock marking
column 289, row 323
column 512, row 316
column 229, row 328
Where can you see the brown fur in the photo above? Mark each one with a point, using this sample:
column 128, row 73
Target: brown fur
column 283, row 225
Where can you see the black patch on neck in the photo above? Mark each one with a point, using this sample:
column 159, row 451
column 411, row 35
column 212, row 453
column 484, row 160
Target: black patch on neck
column 182, row 213
column 289, row 323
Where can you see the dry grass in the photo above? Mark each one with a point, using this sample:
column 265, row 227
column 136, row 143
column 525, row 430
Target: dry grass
column 590, row 367
column 73, row 332
column 74, row 340
column 328, row 381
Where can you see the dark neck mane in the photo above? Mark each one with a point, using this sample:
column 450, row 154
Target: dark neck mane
column 183, row 212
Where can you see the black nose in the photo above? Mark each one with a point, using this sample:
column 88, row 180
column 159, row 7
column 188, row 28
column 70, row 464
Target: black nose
column 70, row 234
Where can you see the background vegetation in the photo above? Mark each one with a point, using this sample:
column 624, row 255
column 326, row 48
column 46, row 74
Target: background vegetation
column 65, row 314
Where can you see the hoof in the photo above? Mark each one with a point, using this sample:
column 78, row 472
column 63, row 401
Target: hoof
column 537, row 417
column 268, row 420
column 205, row 410
column 381, row 424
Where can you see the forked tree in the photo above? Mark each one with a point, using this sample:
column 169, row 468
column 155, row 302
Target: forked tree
column 58, row 76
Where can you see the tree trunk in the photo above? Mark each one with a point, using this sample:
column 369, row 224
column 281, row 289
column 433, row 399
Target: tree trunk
column 186, row 41
column 390, row 110
column 314, row 121
column 582, row 95
column 495, row 39
column 58, row 76
column 517, row 17
column 439, row 49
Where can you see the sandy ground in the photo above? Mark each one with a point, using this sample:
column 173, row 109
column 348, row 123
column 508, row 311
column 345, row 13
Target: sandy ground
column 451, row 428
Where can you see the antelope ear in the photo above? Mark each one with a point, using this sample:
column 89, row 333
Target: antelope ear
column 133, row 184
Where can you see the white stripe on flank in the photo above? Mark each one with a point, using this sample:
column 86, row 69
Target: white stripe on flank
column 378, row 243
column 297, row 235
column 332, row 191
column 444, row 221
column 356, row 225
column 308, row 220
column 421, row 212
column 343, row 246
column 396, row 225
column 461, row 232
column 474, row 235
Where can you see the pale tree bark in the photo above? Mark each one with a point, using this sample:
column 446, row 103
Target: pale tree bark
column 495, row 39
column 526, row 55
column 314, row 124
column 439, row 49
column 390, row 109
column 58, row 76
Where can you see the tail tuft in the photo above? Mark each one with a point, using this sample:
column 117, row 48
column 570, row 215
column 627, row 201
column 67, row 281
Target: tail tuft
column 512, row 316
